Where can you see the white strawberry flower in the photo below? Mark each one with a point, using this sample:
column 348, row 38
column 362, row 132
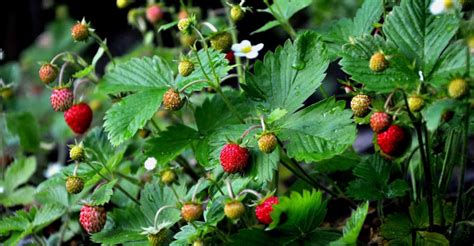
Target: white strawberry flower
column 150, row 163
column 442, row 6
column 246, row 49
column 2, row 189
column 52, row 169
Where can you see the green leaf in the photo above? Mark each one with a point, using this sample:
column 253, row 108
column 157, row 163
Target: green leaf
column 451, row 63
column 356, row 56
column 214, row 211
column 343, row 162
column 286, row 78
column 434, row 112
column 372, row 183
column 129, row 115
column 311, row 138
column 253, row 237
column 19, row 173
column 84, row 72
column 126, row 227
column 138, row 75
column 103, row 194
column 221, row 68
column 396, row 226
column 170, row 143
column 52, row 191
column 269, row 25
column 118, row 236
column 47, row 215
column 26, row 127
column 21, row 196
column 167, row 26
column 420, row 36
column 353, row 226
column 154, row 197
column 369, row 14
column 287, row 8
column 343, row 31
column 299, row 213
column 17, row 222
column 188, row 234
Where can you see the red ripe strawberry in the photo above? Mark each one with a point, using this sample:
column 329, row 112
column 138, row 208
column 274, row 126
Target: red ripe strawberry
column 230, row 57
column 154, row 14
column 92, row 218
column 392, row 141
column 380, row 121
column 234, row 158
column 78, row 118
column 263, row 210
column 61, row 99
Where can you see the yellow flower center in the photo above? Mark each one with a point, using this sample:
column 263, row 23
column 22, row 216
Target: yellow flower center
column 448, row 4
column 246, row 49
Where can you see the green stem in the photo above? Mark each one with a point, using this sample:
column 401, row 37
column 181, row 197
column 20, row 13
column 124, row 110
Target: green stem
column 464, row 159
column 233, row 33
column 206, row 49
column 116, row 185
column 104, row 46
column 285, row 24
column 425, row 161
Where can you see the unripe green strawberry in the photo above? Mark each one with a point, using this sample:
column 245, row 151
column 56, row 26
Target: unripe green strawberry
column 221, row 41
column 378, row 62
column 6, row 92
column 360, row 105
column 121, row 4
column 48, row 73
column 187, row 39
column 267, row 143
column 198, row 243
column 77, row 152
column 168, row 177
column 157, row 239
column 172, row 100
column 236, row 13
column 74, row 184
column 458, row 88
column 185, row 25
column 80, row 31
column 191, row 211
column 234, row 209
column 415, row 103
column 185, row 68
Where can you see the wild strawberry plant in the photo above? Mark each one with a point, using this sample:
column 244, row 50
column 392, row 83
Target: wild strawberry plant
column 215, row 143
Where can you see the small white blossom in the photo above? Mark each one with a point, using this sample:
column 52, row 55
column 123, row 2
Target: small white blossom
column 52, row 170
column 150, row 163
column 246, row 49
column 2, row 189
column 442, row 6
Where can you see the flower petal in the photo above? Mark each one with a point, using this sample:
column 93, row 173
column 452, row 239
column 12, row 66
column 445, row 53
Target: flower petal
column 236, row 47
column 252, row 54
column 240, row 54
column 257, row 47
column 245, row 43
column 437, row 7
